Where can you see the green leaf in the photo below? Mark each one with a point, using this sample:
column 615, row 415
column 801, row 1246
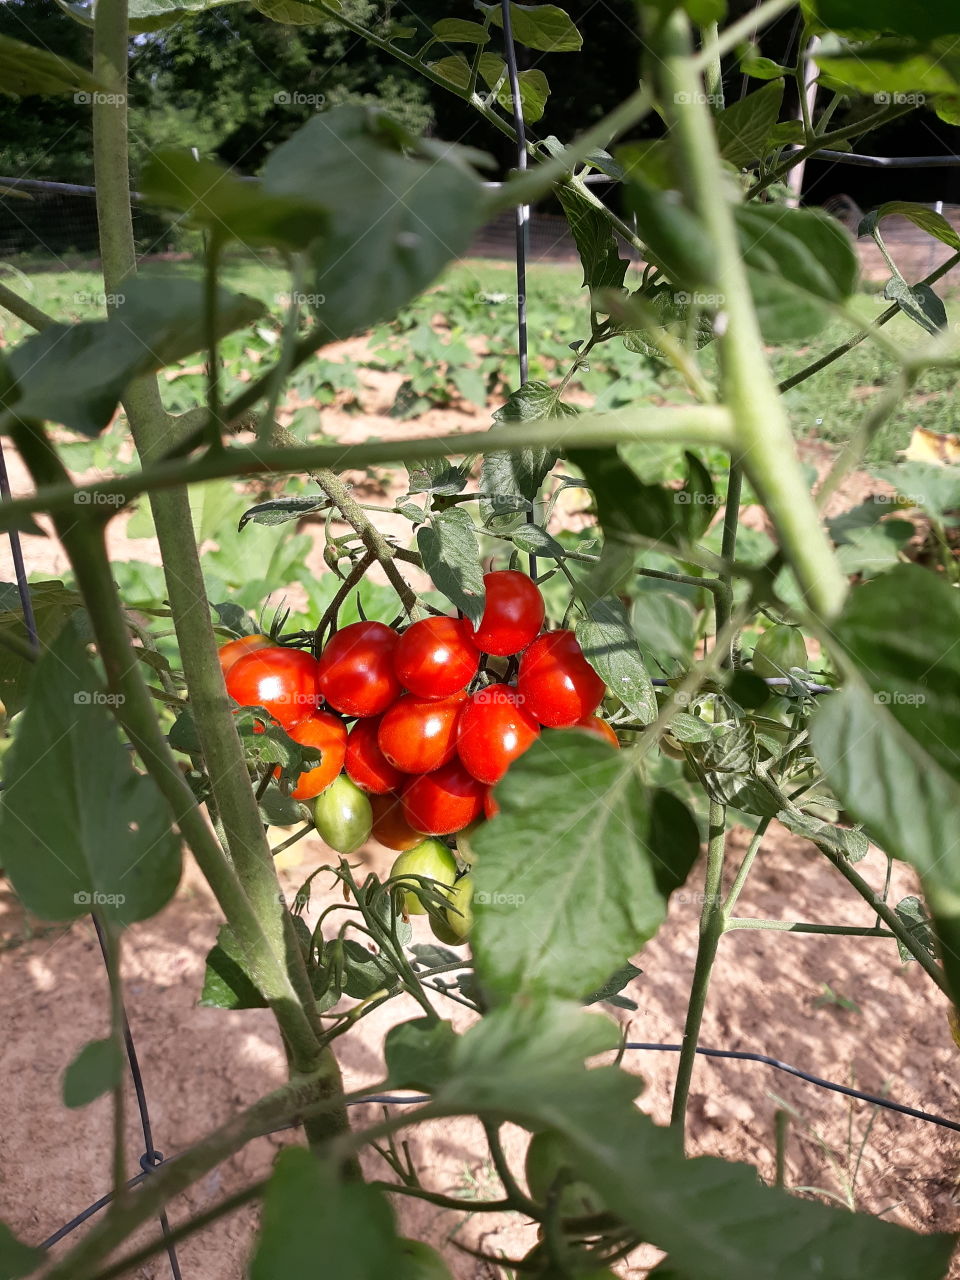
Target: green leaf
column 17, row 1259
column 603, row 267
column 614, row 985
column 230, row 208
column 744, row 127
column 459, row 31
column 919, row 302
column 935, row 224
column 573, row 875
column 226, row 981
column 280, row 510
column 290, row 12
column 799, row 261
column 870, row 550
column 437, row 475
column 451, row 556
column 850, row 844
column 365, row 972
column 913, row 914
column 278, row 810
column 537, row 542
column 309, row 1207
column 676, row 238
column 663, row 624
column 95, row 1070
column 932, row 18
column 26, row 70
column 538, row 26
column 107, row 843
column 894, row 66
column 754, row 64
column 510, row 482
column 154, row 15
column 634, row 513
column 399, row 210
column 53, row 606
column 418, row 1054
column 935, row 489
column 611, row 648
column 75, row 374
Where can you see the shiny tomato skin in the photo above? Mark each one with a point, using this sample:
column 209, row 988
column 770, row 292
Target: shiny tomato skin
column 599, row 728
column 418, row 735
column 490, row 806
column 444, row 801
column 284, row 681
column 436, row 657
column 390, row 826
column 356, row 669
column 512, row 616
column 365, row 763
column 231, row 652
column 328, row 734
column 557, row 683
column 494, row 729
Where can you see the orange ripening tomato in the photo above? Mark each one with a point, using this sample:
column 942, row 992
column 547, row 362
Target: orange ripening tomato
column 328, row 734
column 390, row 826
column 234, row 650
column 599, row 728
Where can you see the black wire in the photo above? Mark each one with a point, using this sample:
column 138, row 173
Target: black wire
column 151, row 1157
column 16, row 551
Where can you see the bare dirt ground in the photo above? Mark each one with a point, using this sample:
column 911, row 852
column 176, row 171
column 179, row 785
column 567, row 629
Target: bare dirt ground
column 843, row 1008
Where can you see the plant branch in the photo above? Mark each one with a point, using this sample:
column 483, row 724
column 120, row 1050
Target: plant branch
column 24, row 310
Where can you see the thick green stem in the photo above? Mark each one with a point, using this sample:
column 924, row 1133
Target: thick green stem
column 711, row 931
column 24, row 310
column 219, row 741
column 764, row 442
column 800, row 926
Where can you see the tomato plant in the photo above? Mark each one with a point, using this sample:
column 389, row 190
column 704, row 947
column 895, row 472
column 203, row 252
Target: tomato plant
column 494, row 612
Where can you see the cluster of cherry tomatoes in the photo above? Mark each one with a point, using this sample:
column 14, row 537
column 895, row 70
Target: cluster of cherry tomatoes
column 440, row 710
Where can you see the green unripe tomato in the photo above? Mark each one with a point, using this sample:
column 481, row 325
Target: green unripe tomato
column 421, row 1262
column 432, row 860
column 779, row 649
column 547, row 1156
column 343, row 815
column 454, row 928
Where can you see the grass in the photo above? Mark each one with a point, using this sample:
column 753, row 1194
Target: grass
column 459, row 343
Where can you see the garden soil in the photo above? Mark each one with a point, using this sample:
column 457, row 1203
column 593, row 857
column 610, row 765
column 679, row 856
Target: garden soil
column 843, row 1008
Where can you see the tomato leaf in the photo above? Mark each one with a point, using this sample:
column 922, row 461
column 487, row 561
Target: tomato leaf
column 309, row 1206
column 935, row 224
column 107, row 843
column 636, row 513
column 26, row 70
column 53, row 606
column 95, row 1070
column 610, row 646
column 538, row 26
column 418, row 1054
column 438, row 476
column 280, row 510
column 743, row 128
column 919, row 302
column 573, row 875
column 451, row 556
column 226, row 982
column 603, row 267
column 894, row 65
column 933, row 488
column 932, row 18
column 459, row 31
column 17, row 1259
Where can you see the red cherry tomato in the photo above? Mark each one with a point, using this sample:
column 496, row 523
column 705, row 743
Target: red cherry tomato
column 557, row 683
column 356, row 669
column 490, row 806
column 329, row 735
column 365, row 763
column 444, row 801
column 512, row 615
column 234, row 650
column 284, row 681
column 418, row 735
column 494, row 730
column 599, row 728
column 390, row 825
column 436, row 657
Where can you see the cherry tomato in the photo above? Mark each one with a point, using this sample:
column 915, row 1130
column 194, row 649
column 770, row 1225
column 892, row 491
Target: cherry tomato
column 390, row 826
column 494, row 729
column 429, row 859
column 283, row 681
column 365, row 763
column 512, row 615
column 444, row 801
column 557, row 683
column 418, row 735
column 454, row 928
column 234, row 650
column 356, row 669
column 436, row 657
column 343, row 815
column 421, row 1262
column 778, row 649
column 599, row 728
column 328, row 734
column 490, row 806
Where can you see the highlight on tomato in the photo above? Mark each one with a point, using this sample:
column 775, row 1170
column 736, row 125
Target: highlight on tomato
column 357, row 676
column 494, row 730
column 557, row 683
column 343, row 816
column 445, row 801
column 231, row 652
column 285, row 682
column 418, row 735
column 436, row 657
column 513, row 613
column 365, row 763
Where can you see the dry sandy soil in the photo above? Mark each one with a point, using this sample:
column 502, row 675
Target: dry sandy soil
column 884, row 1028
